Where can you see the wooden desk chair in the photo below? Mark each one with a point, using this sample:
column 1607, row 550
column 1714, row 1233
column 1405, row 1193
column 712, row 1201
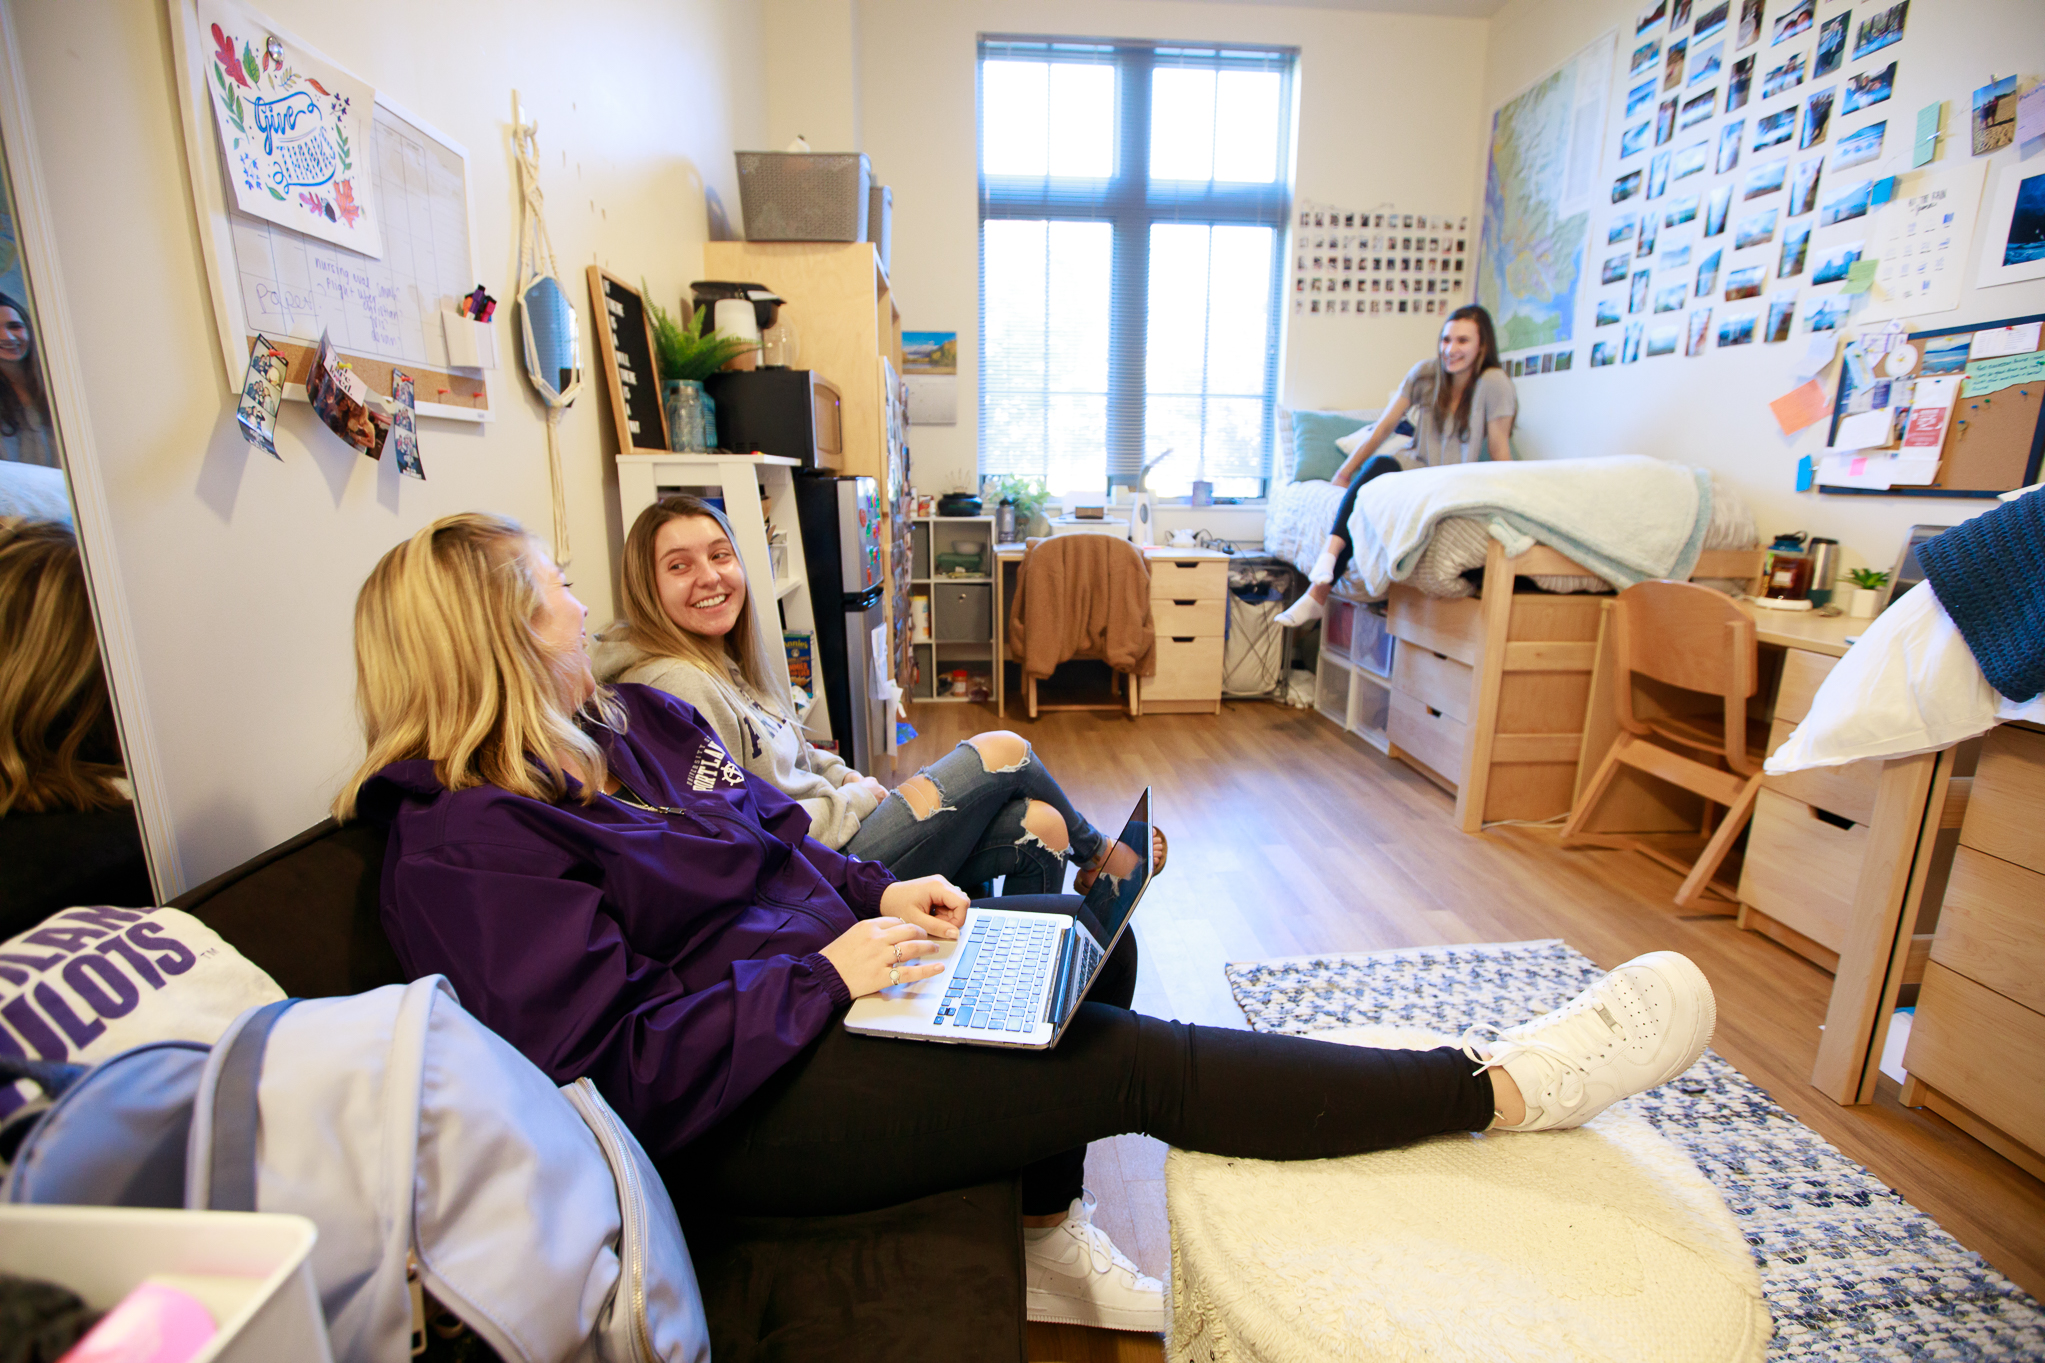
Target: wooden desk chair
column 1693, row 638
column 1096, row 586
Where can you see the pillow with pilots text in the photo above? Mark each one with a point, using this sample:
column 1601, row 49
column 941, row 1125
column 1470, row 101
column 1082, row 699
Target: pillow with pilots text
column 88, row 983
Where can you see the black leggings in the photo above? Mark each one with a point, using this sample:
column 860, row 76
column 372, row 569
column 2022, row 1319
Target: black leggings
column 857, row 1123
column 1374, row 467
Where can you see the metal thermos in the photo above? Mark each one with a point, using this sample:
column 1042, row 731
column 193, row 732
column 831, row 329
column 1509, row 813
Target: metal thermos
column 1824, row 568
column 1004, row 521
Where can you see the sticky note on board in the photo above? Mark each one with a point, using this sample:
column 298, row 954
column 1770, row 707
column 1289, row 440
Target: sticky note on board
column 1805, row 472
column 1883, row 190
column 2006, row 371
column 1860, row 276
column 1800, row 406
column 1926, row 145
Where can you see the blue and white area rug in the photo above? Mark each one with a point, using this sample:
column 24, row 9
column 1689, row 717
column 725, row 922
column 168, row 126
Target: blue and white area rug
column 1850, row 1269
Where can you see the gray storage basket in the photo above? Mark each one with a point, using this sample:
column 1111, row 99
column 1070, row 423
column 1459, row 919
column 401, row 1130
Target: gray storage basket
column 804, row 196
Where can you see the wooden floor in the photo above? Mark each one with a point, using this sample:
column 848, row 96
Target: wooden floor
column 1290, row 837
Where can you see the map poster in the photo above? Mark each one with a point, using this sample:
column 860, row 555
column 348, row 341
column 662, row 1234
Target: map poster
column 294, row 131
column 1546, row 148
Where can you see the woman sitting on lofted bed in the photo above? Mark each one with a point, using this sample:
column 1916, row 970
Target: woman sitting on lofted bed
column 1463, row 407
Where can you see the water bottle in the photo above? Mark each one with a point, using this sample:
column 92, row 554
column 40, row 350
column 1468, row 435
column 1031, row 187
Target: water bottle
column 1004, row 521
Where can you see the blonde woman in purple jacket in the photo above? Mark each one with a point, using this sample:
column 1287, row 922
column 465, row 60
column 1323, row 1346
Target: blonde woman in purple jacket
column 609, row 891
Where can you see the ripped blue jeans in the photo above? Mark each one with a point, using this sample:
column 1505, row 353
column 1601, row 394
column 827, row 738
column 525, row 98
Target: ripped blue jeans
column 976, row 832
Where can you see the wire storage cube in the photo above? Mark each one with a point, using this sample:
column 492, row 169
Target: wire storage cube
column 804, row 196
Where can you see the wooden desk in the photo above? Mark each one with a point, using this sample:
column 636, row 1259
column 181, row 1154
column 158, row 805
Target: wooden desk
column 1202, row 652
column 1845, row 898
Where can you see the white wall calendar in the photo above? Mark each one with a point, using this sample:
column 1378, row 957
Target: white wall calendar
column 1920, row 239
column 391, row 310
column 1377, row 262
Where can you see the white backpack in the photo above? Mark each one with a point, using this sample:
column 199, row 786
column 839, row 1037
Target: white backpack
column 433, row 1157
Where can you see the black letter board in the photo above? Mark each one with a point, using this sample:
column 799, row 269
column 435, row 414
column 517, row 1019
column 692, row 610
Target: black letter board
column 625, row 337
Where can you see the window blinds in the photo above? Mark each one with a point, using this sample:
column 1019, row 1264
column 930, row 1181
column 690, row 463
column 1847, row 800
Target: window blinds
column 1133, row 199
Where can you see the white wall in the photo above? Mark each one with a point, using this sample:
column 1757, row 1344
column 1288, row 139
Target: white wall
column 1375, row 125
column 240, row 572
column 1712, row 410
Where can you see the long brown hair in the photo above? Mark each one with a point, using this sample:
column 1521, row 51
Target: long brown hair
column 13, row 416
column 58, row 746
column 450, row 669
column 647, row 627
column 1444, row 383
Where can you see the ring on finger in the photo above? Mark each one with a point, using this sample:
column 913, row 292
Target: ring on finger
column 896, row 959
column 894, row 975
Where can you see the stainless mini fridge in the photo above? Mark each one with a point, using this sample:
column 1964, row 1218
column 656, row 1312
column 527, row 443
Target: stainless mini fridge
column 841, row 529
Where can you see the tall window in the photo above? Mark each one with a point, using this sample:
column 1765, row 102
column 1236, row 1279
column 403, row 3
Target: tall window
column 1133, row 204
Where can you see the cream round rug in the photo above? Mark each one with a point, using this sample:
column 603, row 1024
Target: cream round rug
column 1604, row 1242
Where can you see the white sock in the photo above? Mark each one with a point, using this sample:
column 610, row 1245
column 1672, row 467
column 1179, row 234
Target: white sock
column 1324, row 568
column 1034, row 1233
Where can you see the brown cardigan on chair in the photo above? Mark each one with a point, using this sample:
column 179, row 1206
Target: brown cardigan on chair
column 1082, row 596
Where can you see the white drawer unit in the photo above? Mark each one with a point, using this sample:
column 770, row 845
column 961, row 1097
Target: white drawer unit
column 1189, row 613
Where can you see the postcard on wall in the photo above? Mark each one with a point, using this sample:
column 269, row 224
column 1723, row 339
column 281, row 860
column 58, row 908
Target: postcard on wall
column 294, row 131
column 2015, row 248
column 930, row 371
column 341, row 400
column 262, row 389
column 1995, row 116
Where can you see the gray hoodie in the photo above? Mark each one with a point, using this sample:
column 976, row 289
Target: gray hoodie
column 755, row 735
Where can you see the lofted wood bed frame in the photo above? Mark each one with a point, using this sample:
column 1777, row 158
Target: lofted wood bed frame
column 1490, row 692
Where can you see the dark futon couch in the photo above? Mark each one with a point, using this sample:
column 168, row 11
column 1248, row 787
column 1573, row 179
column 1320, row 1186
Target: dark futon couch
column 938, row 1278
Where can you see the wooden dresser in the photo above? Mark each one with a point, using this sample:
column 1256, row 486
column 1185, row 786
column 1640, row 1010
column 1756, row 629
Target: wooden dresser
column 1977, row 1045
column 1189, row 611
column 1810, row 832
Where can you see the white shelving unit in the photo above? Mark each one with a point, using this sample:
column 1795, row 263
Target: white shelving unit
column 960, row 610
column 758, row 492
column 1353, row 682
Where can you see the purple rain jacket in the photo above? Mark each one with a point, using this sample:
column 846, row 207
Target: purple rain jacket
column 673, row 959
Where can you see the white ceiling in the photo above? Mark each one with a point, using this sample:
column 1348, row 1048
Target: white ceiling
column 1447, row 9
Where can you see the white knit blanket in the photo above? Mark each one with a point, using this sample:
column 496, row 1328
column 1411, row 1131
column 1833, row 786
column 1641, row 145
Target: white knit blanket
column 1628, row 518
column 1605, row 1242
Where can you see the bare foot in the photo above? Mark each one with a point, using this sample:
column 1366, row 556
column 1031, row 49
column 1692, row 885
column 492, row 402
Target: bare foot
column 1120, row 859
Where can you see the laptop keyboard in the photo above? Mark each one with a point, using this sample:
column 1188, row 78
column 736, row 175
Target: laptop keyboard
column 995, row 986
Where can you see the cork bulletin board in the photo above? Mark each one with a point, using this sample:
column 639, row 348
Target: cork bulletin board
column 1996, row 441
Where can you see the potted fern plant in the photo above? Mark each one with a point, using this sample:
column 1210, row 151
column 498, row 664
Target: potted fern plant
column 685, row 356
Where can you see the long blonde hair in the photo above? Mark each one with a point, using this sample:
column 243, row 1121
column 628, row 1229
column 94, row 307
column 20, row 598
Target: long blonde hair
column 647, row 627
column 450, row 669
column 58, row 746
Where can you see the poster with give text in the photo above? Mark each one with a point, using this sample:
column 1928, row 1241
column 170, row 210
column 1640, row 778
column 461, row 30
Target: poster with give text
column 294, row 131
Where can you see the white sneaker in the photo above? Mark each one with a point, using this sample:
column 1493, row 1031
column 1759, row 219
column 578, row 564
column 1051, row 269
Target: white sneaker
column 1639, row 1027
column 1304, row 611
column 1077, row 1277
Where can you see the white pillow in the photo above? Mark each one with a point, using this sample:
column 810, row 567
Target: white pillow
column 1909, row 685
column 88, row 983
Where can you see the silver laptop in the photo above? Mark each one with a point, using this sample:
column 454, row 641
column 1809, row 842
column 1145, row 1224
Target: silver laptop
column 1012, row 979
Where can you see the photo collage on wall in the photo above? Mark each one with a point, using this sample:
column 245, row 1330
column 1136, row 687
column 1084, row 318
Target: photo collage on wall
column 1741, row 167
column 1377, row 262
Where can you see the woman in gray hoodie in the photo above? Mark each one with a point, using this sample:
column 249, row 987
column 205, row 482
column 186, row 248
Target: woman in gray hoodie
column 988, row 808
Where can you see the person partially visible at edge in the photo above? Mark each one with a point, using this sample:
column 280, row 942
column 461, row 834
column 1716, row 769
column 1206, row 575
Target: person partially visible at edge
column 68, row 833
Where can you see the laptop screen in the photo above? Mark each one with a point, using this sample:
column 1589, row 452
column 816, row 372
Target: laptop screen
column 1114, row 914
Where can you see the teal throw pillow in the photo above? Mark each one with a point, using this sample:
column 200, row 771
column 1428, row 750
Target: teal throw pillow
column 1314, row 453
